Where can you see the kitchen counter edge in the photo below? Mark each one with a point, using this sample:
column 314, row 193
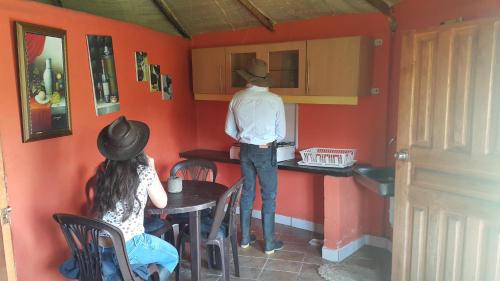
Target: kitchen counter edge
column 290, row 165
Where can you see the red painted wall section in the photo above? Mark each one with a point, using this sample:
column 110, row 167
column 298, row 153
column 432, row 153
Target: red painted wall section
column 362, row 127
column 48, row 176
column 349, row 212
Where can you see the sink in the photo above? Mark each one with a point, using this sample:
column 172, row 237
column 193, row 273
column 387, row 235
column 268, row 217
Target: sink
column 378, row 180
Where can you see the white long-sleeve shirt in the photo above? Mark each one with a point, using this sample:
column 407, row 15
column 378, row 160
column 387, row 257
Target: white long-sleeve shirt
column 256, row 116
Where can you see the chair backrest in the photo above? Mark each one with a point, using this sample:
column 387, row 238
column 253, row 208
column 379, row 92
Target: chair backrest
column 82, row 235
column 194, row 169
column 232, row 195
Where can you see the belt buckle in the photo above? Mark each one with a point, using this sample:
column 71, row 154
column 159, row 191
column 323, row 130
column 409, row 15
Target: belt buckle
column 263, row 146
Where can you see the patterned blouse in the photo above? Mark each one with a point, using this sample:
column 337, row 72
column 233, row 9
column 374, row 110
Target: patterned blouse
column 134, row 225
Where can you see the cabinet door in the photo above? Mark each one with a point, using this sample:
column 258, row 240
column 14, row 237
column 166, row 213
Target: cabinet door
column 287, row 65
column 238, row 57
column 339, row 66
column 208, row 71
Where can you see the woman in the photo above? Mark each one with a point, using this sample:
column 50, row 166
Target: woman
column 123, row 183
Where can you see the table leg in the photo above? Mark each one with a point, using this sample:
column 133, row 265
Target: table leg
column 194, row 229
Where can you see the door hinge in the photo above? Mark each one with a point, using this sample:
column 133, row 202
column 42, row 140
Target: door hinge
column 5, row 215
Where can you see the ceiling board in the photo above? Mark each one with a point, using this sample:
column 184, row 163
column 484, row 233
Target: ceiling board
column 201, row 16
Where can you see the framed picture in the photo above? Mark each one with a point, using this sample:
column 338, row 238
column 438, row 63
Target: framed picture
column 166, row 87
column 102, row 69
column 43, row 82
column 154, row 79
column 141, row 66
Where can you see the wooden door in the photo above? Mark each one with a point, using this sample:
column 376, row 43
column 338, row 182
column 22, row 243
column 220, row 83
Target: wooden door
column 339, row 66
column 208, row 71
column 7, row 269
column 287, row 66
column 447, row 218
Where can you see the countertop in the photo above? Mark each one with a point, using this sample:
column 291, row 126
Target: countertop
column 291, row 165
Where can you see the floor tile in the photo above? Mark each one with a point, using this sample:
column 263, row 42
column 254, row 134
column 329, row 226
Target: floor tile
column 247, row 273
column 309, row 272
column 297, row 261
column 287, row 255
column 271, row 275
column 282, row 265
column 253, row 262
column 315, row 260
column 302, row 248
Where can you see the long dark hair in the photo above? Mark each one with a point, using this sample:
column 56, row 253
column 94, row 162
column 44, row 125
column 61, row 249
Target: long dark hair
column 117, row 181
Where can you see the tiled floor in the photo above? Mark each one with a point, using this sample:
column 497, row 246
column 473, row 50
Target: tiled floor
column 297, row 261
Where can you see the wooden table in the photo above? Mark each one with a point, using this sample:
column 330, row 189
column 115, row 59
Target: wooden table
column 195, row 196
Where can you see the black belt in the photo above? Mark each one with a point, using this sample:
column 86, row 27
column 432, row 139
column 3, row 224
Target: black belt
column 273, row 145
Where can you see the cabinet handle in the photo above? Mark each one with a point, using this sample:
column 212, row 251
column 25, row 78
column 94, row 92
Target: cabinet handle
column 307, row 77
column 220, row 79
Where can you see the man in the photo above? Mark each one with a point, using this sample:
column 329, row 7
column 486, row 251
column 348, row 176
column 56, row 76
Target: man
column 256, row 119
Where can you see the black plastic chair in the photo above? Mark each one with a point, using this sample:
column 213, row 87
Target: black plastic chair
column 194, row 169
column 223, row 219
column 83, row 237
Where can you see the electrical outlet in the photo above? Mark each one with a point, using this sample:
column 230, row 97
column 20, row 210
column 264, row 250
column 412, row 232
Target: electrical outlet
column 378, row 42
column 375, row 91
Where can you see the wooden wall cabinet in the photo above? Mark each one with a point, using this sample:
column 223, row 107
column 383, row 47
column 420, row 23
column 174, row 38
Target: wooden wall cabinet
column 209, row 71
column 324, row 71
column 287, row 66
column 238, row 57
column 339, row 66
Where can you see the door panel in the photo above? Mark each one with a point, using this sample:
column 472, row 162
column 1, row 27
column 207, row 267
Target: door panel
column 426, row 68
column 447, row 215
column 463, row 44
column 493, row 130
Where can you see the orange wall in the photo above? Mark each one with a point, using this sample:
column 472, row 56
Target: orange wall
column 362, row 127
column 48, row 176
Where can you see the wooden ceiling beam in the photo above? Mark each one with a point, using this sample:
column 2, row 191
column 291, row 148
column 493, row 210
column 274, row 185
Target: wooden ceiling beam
column 385, row 9
column 257, row 13
column 57, row 3
column 170, row 16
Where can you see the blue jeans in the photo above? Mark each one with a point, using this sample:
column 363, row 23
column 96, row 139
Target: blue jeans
column 258, row 161
column 147, row 249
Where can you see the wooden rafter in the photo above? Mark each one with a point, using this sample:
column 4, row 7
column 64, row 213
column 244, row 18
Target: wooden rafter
column 385, row 9
column 57, row 3
column 167, row 12
column 257, row 13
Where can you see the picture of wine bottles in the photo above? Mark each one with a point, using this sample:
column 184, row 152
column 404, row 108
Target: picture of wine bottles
column 102, row 68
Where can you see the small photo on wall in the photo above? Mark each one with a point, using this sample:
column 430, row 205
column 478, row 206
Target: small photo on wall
column 141, row 66
column 166, row 87
column 102, row 69
column 154, row 81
